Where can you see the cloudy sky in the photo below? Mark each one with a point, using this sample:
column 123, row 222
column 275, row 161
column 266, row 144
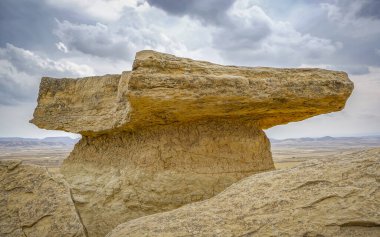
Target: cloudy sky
column 74, row 38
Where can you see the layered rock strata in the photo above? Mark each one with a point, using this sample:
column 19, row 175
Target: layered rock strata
column 327, row 197
column 163, row 89
column 174, row 130
column 34, row 203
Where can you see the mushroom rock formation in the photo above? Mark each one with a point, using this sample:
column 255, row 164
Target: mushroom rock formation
column 174, row 130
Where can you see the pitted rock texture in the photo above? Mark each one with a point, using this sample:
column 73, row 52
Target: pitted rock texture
column 118, row 177
column 164, row 89
column 174, row 130
column 33, row 203
column 81, row 104
column 329, row 197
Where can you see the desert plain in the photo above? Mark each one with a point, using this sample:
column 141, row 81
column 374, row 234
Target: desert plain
column 286, row 153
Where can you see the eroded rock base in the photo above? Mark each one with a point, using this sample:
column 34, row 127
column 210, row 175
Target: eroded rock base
column 119, row 177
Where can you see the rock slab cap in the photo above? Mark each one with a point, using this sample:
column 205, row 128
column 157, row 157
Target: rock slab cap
column 163, row 89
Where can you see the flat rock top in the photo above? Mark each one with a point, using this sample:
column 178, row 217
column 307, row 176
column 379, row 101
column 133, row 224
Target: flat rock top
column 339, row 197
column 34, row 203
column 163, row 89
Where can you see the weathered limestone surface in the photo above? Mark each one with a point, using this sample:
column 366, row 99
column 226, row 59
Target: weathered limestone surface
column 78, row 105
column 35, row 204
column 339, row 197
column 174, row 130
column 164, row 89
column 115, row 178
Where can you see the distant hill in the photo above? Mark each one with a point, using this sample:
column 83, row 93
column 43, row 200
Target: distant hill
column 31, row 142
column 366, row 141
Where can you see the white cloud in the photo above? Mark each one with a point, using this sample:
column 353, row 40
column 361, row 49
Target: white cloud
column 345, row 22
column 61, row 47
column 21, row 70
column 246, row 27
column 29, row 62
column 104, row 10
column 97, row 40
column 333, row 12
column 248, row 36
column 347, row 15
column 15, row 86
column 251, row 36
column 119, row 41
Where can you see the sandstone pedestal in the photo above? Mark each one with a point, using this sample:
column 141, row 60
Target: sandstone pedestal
column 173, row 130
column 123, row 176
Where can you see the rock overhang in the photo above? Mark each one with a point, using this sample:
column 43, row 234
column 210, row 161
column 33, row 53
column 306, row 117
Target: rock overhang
column 163, row 89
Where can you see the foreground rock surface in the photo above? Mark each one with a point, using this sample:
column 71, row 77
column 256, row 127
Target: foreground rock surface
column 35, row 204
column 174, row 130
column 339, row 197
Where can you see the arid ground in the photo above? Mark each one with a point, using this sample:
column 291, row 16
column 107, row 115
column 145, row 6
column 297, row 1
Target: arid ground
column 286, row 153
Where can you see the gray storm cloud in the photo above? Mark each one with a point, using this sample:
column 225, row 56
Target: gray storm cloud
column 75, row 38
